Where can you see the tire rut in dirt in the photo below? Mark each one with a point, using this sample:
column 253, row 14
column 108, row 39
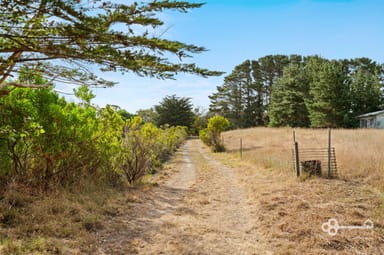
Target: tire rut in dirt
column 199, row 208
column 228, row 212
column 141, row 229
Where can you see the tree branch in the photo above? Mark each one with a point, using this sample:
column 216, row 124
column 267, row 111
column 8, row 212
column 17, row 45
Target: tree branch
column 5, row 70
column 31, row 86
column 5, row 92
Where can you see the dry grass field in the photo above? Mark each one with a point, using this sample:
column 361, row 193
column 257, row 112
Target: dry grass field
column 359, row 152
column 292, row 210
column 61, row 222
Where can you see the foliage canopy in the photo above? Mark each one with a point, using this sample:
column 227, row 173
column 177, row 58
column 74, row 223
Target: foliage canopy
column 61, row 38
column 297, row 91
column 175, row 111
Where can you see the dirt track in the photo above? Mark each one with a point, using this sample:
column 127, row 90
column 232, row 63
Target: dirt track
column 196, row 208
column 198, row 205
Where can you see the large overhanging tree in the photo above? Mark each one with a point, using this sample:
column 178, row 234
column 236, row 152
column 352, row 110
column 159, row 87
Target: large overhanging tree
column 62, row 38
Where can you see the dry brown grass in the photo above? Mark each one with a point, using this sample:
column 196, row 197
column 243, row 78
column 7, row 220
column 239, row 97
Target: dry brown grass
column 60, row 222
column 359, row 152
column 291, row 211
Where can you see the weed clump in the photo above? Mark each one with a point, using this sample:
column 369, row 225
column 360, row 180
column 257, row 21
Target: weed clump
column 92, row 223
column 8, row 217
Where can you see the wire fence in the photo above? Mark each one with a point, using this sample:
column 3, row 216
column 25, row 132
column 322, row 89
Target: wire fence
column 312, row 161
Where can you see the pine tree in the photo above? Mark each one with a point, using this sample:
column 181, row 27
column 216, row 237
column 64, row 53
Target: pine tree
column 175, row 111
column 61, row 38
column 246, row 93
column 271, row 67
column 289, row 95
column 329, row 91
column 228, row 100
column 258, row 106
column 366, row 92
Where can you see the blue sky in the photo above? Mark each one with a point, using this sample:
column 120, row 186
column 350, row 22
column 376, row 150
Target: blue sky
column 237, row 30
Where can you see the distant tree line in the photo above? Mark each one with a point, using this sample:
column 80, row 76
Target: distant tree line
column 299, row 91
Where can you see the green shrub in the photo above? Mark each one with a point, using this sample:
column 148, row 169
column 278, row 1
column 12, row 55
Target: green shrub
column 205, row 136
column 211, row 135
column 144, row 147
column 48, row 142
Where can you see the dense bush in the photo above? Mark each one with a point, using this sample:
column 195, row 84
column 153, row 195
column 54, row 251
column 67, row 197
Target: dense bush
column 144, row 146
column 46, row 141
column 211, row 134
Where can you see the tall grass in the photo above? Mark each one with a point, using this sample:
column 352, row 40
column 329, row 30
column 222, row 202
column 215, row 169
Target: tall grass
column 359, row 152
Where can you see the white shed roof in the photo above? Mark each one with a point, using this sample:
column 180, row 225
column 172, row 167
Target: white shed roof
column 370, row 114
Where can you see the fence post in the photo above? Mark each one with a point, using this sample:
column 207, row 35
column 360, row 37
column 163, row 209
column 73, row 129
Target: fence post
column 329, row 152
column 297, row 164
column 241, row 148
column 296, row 154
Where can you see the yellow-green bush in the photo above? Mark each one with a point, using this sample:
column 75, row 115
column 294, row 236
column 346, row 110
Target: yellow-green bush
column 211, row 135
column 144, row 146
column 46, row 141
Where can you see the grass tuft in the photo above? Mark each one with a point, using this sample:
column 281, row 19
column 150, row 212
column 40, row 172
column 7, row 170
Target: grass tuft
column 92, row 223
